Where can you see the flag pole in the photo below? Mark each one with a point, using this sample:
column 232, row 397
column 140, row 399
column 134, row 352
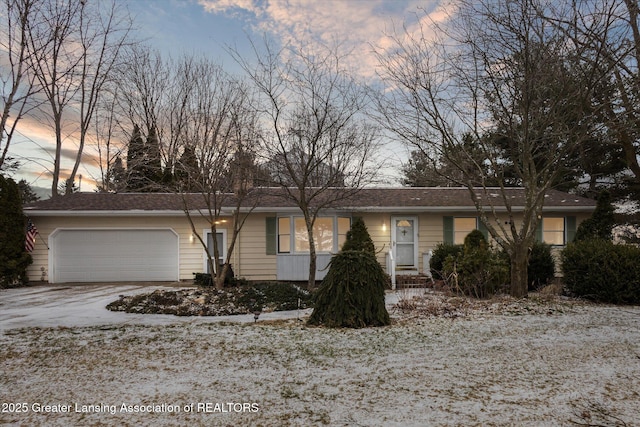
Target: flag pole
column 43, row 241
column 38, row 234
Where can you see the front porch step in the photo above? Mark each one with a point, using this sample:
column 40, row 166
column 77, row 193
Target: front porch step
column 405, row 281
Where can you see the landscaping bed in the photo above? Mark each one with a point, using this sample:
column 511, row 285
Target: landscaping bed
column 205, row 301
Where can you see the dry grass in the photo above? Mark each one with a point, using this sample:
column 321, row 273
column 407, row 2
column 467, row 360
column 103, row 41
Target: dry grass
column 446, row 360
column 433, row 303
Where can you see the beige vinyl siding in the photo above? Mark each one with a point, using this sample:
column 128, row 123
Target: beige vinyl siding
column 39, row 270
column 379, row 226
column 381, row 238
column 192, row 254
column 249, row 259
column 502, row 221
column 430, row 229
column 430, row 235
column 253, row 263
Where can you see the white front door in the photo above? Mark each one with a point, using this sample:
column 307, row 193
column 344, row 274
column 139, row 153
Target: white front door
column 404, row 240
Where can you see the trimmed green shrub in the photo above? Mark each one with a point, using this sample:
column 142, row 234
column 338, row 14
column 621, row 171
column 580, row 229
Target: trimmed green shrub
column 542, row 267
column 440, row 254
column 474, row 240
column 602, row 271
column 352, row 293
column 279, row 295
column 478, row 272
column 205, row 279
column 202, row 279
column 358, row 238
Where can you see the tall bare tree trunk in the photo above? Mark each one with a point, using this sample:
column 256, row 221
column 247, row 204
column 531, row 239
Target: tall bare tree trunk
column 519, row 275
column 313, row 257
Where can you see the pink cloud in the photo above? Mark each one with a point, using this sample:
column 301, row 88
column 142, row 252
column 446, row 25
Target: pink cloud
column 358, row 26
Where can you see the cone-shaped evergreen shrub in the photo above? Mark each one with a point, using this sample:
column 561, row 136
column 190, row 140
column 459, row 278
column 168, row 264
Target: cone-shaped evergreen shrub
column 352, row 293
column 601, row 222
column 14, row 260
column 358, row 238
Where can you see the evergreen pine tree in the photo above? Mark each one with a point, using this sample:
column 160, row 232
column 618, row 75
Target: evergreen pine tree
column 358, row 238
column 601, row 223
column 187, row 174
column 241, row 171
column 152, row 169
column 352, row 293
column 26, row 192
column 14, row 260
column 136, row 162
column 118, row 175
column 474, row 240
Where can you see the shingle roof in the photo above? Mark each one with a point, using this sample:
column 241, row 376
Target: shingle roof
column 388, row 199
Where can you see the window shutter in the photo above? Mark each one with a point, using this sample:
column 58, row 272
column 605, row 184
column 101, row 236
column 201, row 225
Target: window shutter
column 271, row 233
column 570, row 226
column 539, row 236
column 447, row 222
column 483, row 229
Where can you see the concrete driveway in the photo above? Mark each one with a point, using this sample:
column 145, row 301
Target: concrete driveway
column 77, row 305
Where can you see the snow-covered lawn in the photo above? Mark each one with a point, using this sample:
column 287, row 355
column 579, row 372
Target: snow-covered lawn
column 474, row 366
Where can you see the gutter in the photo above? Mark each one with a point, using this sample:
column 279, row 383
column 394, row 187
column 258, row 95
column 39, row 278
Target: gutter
column 228, row 212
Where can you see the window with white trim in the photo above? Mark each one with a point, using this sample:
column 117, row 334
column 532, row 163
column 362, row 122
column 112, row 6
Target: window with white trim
column 344, row 225
column 221, row 241
column 329, row 232
column 462, row 227
column 284, row 235
column 553, row 230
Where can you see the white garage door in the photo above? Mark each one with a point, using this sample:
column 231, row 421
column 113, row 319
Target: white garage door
column 114, row 255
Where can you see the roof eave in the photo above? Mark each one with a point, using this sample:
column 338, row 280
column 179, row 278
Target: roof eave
column 228, row 211
column 166, row 213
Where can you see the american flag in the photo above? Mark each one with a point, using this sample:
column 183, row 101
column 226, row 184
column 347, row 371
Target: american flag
column 30, row 239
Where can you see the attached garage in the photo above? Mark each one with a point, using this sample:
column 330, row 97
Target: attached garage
column 113, row 255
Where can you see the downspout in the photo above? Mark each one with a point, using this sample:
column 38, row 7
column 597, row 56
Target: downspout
column 236, row 254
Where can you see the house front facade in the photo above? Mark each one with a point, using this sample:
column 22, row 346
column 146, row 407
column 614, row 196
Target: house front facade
column 106, row 237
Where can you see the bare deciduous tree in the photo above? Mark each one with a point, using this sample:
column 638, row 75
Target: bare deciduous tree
column 608, row 31
column 500, row 74
column 315, row 135
column 17, row 82
column 146, row 96
column 216, row 138
column 155, row 93
column 108, row 145
column 75, row 49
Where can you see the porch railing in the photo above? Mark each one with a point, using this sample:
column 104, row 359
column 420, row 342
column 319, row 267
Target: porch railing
column 391, row 269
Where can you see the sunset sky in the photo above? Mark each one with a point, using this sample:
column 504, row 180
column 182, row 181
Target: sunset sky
column 210, row 27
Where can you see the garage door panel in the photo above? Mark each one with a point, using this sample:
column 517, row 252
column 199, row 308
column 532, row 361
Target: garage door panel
column 115, row 255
